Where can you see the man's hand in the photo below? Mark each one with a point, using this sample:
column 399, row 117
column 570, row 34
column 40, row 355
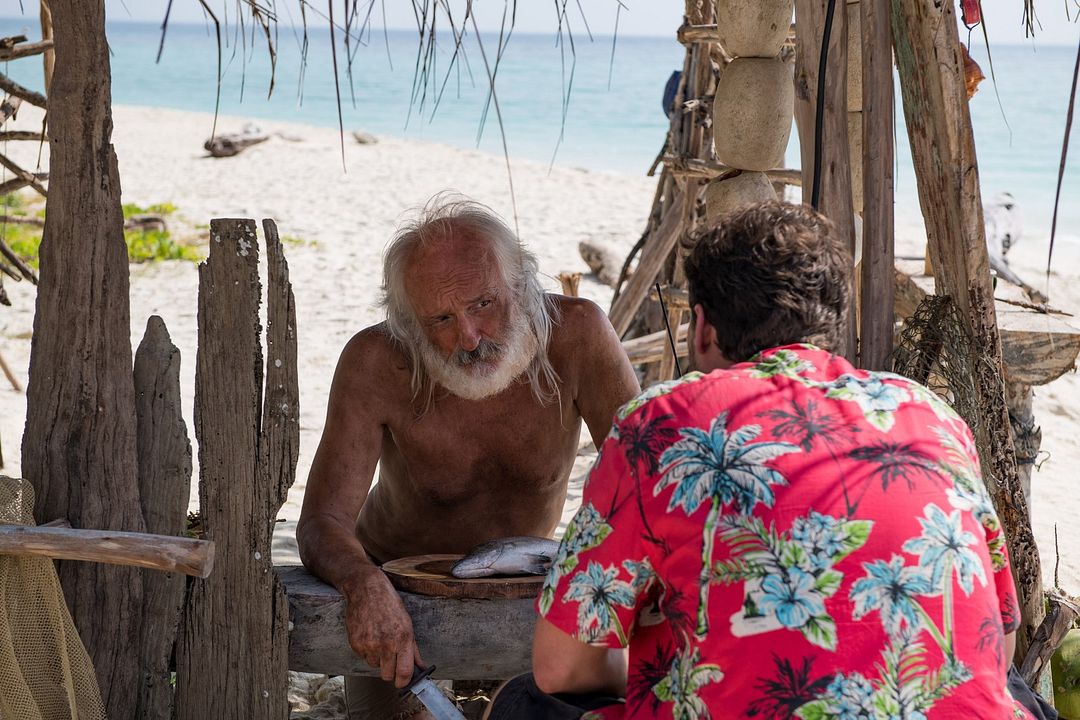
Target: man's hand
column 380, row 631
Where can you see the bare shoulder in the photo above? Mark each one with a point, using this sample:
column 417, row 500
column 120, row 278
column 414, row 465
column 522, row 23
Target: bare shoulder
column 371, row 362
column 579, row 320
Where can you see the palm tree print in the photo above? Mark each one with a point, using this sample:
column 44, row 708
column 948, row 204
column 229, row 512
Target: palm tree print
column 643, row 442
column 891, row 589
column 806, row 424
column 896, row 461
column 647, row 674
column 726, row 469
column 598, row 591
column 944, row 546
column 779, row 698
column 682, row 683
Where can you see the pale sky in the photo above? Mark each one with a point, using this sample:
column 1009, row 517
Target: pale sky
column 640, row 17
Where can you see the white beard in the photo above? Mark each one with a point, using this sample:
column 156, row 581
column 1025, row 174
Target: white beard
column 482, row 379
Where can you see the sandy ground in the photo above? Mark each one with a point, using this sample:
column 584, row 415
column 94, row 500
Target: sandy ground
column 340, row 221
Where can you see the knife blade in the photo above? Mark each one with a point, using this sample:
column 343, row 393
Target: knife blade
column 431, row 696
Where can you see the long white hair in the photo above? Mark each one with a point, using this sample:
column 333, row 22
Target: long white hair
column 438, row 220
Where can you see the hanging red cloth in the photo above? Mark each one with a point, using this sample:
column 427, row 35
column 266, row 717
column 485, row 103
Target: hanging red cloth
column 972, row 12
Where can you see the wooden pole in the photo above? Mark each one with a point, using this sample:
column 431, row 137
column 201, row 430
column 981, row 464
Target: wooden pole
column 836, row 199
column 157, row 552
column 877, row 318
column 931, row 73
column 49, row 58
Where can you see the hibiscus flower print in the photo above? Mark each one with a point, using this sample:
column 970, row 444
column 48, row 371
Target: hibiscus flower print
column 792, row 597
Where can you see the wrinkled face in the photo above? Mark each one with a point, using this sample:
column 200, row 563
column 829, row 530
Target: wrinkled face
column 476, row 335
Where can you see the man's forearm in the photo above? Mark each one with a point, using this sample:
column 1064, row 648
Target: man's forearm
column 333, row 553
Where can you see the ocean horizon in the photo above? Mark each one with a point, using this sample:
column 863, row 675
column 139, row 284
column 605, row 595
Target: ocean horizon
column 611, row 121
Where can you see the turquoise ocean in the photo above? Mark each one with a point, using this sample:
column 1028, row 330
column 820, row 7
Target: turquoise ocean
column 611, row 121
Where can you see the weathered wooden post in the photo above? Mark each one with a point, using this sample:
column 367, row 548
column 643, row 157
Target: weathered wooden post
column 164, row 454
column 232, row 653
column 877, row 272
column 78, row 449
column 939, row 126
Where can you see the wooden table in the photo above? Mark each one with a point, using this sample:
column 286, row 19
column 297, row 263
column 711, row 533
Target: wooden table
column 465, row 639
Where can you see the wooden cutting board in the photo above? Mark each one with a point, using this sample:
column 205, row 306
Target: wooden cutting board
column 430, row 575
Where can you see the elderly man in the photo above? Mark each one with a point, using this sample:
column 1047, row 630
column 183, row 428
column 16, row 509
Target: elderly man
column 784, row 536
column 470, row 398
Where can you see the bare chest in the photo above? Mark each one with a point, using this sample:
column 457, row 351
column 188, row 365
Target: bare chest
column 511, row 447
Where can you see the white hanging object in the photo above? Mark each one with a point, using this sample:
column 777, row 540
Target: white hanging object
column 726, row 195
column 752, row 113
column 753, row 28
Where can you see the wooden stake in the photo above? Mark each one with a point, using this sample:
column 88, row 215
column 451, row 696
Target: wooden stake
column 877, row 318
column 836, row 201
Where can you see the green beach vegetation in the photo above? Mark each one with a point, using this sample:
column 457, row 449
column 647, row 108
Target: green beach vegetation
column 23, row 219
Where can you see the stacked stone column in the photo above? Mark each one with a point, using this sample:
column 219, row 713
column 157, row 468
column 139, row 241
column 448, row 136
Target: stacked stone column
column 754, row 103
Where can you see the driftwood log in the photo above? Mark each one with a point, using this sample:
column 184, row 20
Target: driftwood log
column 24, row 49
column 1060, row 618
column 13, row 88
column 164, row 456
column 221, row 146
column 463, row 639
column 604, row 262
column 232, row 657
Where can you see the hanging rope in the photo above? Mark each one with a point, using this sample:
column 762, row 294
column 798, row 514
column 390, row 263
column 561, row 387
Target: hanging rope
column 819, row 115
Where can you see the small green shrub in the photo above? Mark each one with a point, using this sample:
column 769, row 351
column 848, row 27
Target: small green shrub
column 143, row 245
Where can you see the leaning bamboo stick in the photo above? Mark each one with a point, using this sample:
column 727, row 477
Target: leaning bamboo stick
column 157, row 552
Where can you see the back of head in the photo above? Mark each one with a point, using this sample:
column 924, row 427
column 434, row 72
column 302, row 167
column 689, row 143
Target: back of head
column 769, row 275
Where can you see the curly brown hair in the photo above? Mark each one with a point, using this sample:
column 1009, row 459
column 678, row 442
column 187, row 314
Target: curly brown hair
column 769, row 275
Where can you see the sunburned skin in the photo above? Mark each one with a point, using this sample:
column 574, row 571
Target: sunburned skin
column 456, row 472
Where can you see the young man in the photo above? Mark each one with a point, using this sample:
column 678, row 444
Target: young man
column 470, row 398
column 779, row 535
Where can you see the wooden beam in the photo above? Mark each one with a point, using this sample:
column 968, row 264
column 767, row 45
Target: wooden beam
column 157, row 552
column 650, row 348
column 1036, row 347
column 709, row 169
column 656, row 251
column 931, row 71
column 27, row 177
column 1048, row 637
column 22, row 50
column 463, row 639
column 836, row 200
column 876, row 318
column 688, row 34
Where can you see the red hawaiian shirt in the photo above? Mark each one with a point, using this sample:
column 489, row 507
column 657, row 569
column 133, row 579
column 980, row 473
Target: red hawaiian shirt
column 791, row 538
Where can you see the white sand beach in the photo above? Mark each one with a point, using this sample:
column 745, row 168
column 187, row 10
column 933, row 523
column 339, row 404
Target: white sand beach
column 337, row 222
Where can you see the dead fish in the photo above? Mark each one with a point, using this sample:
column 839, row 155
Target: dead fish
column 507, row 556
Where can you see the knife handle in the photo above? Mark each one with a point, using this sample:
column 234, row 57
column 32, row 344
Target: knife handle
column 418, row 674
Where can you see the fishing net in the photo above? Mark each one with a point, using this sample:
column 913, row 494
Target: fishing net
column 45, row 673
column 935, row 350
